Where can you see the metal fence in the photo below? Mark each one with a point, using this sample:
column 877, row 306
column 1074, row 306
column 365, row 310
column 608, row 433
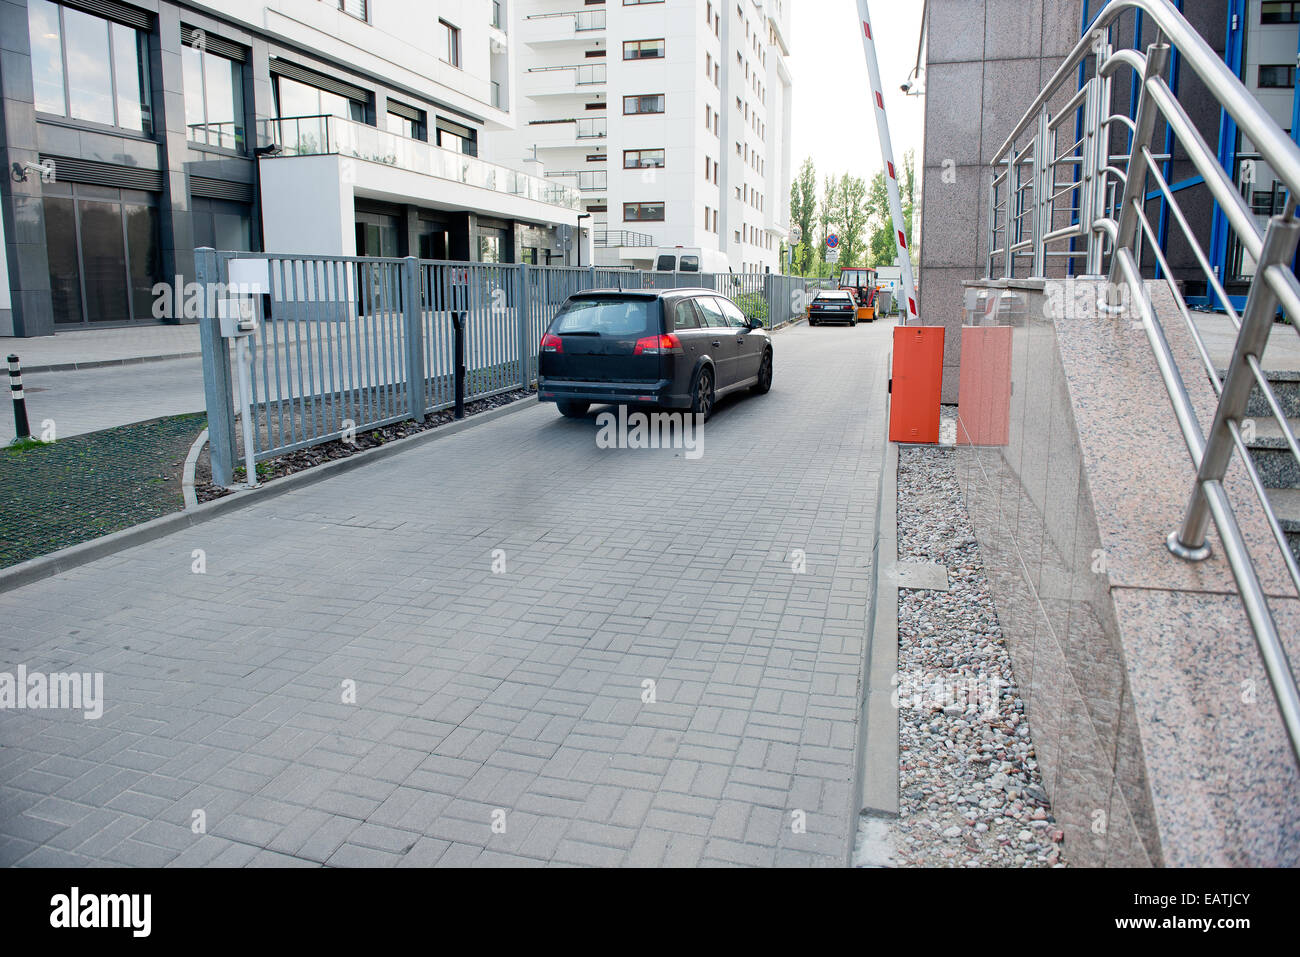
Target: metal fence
column 347, row 344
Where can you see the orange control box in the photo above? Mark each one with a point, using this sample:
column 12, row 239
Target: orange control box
column 917, row 384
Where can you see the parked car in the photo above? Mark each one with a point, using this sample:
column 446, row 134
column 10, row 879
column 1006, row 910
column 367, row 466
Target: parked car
column 833, row 305
column 675, row 348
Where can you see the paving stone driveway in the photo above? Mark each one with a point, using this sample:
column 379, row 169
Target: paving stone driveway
column 482, row 698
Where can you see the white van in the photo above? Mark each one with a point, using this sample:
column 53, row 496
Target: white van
column 690, row 259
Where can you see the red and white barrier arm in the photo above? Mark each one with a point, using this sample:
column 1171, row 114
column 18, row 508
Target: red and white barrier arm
column 891, row 172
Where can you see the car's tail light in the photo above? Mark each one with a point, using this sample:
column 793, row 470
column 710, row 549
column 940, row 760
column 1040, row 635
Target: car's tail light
column 551, row 343
column 667, row 344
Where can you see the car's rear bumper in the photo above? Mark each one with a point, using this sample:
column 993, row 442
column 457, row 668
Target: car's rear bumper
column 834, row 316
column 653, row 393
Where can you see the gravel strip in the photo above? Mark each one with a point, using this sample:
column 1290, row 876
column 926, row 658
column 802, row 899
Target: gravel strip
column 971, row 794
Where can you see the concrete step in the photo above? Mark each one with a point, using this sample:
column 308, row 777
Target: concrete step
column 1286, row 506
column 1286, row 386
column 1278, row 468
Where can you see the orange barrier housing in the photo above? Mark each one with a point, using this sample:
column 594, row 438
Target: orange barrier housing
column 917, row 384
column 984, row 396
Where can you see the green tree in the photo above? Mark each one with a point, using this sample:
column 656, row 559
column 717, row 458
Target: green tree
column 851, row 215
column 803, row 209
column 825, row 220
column 884, row 245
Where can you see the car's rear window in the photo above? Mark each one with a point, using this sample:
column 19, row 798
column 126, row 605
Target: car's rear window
column 841, row 296
column 606, row 317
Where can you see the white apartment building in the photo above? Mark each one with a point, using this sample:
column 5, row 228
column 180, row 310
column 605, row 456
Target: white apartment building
column 319, row 127
column 672, row 117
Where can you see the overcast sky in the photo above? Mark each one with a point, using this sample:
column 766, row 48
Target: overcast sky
column 833, row 120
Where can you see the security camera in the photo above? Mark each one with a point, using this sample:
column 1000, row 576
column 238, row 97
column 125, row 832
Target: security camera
column 906, row 87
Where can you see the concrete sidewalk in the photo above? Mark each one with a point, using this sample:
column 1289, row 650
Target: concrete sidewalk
column 83, row 348
column 91, row 399
column 561, row 654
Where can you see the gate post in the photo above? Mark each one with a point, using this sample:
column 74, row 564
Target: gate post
column 413, row 315
column 522, row 317
column 218, row 391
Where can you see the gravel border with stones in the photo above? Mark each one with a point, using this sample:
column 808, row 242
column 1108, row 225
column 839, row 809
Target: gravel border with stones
column 280, row 466
column 970, row 791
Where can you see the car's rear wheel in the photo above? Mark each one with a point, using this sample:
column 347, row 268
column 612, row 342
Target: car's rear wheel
column 702, row 397
column 764, row 382
column 571, row 409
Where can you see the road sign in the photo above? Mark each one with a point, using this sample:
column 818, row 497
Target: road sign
column 796, row 234
column 832, row 241
column 833, row 255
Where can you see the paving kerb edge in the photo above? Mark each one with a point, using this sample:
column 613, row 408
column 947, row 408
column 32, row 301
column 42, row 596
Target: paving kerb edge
column 74, row 556
column 105, row 363
column 872, row 754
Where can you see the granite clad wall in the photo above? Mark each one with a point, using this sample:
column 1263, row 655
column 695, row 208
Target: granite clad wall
column 1153, row 723
column 987, row 61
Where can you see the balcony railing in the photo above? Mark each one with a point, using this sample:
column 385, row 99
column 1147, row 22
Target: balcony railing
column 621, row 237
column 583, row 20
column 587, row 179
column 593, row 129
column 590, row 74
column 227, row 135
column 317, row 135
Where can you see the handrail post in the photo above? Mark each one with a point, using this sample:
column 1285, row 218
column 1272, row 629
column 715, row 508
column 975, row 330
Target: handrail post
column 1280, row 242
column 1042, row 192
column 1144, row 130
column 1009, row 215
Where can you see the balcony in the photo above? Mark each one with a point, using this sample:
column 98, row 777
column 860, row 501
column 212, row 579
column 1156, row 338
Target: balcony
column 567, row 134
column 586, row 180
column 608, row 238
column 321, row 135
column 565, row 80
column 573, row 25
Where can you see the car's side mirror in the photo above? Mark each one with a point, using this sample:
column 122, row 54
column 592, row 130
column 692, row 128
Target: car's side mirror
column 755, row 323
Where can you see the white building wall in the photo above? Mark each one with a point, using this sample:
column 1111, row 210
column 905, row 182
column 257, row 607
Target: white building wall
column 401, row 41
column 544, row 41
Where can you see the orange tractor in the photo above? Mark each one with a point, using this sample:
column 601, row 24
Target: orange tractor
column 860, row 282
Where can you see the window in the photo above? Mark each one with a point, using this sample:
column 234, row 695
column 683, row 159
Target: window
column 1268, row 202
column 104, row 253
column 96, row 85
column 685, row 316
column 405, row 126
column 643, row 159
column 597, row 106
column 734, row 316
column 357, row 8
column 637, row 3
column 214, row 98
column 1277, row 77
column 643, row 49
column 646, row 103
column 710, row 312
column 1279, row 13
column 450, row 43
column 643, row 212
column 299, row 99
column 597, row 157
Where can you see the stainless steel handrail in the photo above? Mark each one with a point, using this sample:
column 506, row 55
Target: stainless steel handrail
column 1106, row 208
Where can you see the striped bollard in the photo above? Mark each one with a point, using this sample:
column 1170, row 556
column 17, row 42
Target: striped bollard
column 20, row 403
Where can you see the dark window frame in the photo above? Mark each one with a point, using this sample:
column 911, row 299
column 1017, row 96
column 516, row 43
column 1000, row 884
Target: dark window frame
column 627, row 154
column 638, row 45
column 628, row 207
column 639, row 97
